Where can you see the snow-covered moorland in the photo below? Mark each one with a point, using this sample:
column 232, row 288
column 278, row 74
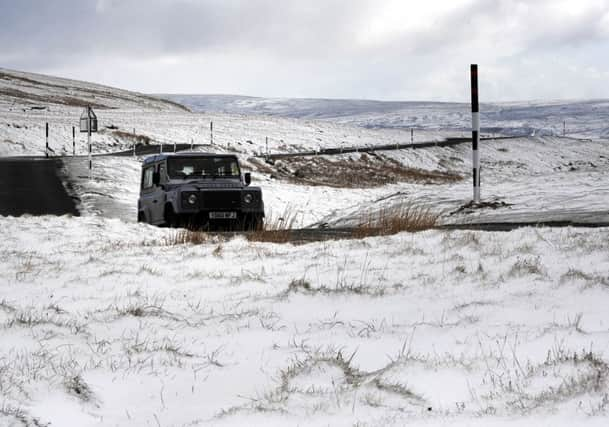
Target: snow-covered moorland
column 583, row 118
column 109, row 323
column 104, row 321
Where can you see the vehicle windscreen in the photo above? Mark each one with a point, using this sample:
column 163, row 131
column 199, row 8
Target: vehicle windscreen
column 202, row 167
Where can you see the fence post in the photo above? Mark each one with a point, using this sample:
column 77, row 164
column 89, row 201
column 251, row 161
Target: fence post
column 46, row 150
column 73, row 141
column 475, row 131
column 89, row 143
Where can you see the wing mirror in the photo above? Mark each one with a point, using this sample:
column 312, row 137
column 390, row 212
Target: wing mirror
column 156, row 178
column 248, row 178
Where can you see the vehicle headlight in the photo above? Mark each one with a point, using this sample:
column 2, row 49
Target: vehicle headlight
column 248, row 198
column 192, row 199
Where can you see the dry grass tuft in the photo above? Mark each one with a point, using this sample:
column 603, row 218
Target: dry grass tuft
column 283, row 228
column 276, row 228
column 343, row 287
column 406, row 218
column 138, row 139
column 373, row 170
column 76, row 386
column 298, row 284
column 185, row 236
column 8, row 411
column 527, row 266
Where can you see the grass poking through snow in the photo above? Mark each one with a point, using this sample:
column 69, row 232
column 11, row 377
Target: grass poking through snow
column 409, row 218
column 282, row 228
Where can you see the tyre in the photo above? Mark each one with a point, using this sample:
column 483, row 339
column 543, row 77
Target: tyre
column 171, row 218
column 254, row 223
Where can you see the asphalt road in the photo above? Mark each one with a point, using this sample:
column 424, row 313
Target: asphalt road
column 448, row 142
column 305, row 235
column 32, row 186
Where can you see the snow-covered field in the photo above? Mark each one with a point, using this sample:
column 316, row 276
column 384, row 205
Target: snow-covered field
column 104, row 321
column 108, row 323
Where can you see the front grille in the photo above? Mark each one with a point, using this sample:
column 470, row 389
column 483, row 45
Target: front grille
column 222, row 199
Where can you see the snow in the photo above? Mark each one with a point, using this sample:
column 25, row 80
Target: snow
column 474, row 325
column 104, row 321
column 577, row 118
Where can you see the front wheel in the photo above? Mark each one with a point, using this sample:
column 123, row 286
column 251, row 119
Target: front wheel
column 171, row 218
column 254, row 223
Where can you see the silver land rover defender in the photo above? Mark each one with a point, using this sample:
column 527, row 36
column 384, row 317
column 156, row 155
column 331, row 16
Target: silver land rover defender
column 198, row 190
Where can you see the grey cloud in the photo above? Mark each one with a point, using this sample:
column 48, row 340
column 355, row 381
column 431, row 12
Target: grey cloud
column 518, row 25
column 302, row 48
column 181, row 26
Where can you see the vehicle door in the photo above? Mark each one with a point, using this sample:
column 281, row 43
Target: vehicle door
column 160, row 192
column 147, row 193
column 157, row 196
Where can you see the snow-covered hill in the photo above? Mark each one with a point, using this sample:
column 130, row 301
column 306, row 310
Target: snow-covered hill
column 589, row 118
column 20, row 90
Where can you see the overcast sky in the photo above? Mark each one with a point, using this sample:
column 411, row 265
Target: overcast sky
column 374, row 49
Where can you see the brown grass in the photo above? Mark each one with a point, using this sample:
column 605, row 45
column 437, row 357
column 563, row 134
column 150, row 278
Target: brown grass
column 406, row 218
column 50, row 99
column 281, row 228
column 370, row 170
column 276, row 228
column 130, row 136
column 185, row 236
column 87, row 94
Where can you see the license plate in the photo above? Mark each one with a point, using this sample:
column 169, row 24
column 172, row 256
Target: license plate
column 223, row 215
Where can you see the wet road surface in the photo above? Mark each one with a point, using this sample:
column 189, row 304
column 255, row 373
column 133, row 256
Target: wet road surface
column 32, row 186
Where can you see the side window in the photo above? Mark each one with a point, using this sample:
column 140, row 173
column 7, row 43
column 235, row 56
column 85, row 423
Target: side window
column 147, row 178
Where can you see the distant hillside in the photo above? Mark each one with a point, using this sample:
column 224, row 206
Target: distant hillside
column 583, row 118
column 309, row 108
column 37, row 90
